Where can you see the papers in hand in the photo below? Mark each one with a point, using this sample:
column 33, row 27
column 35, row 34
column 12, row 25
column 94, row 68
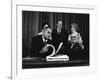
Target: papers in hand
column 60, row 45
column 49, row 45
column 54, row 57
column 54, row 51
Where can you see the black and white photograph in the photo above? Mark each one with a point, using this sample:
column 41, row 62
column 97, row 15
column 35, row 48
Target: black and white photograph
column 55, row 39
column 52, row 40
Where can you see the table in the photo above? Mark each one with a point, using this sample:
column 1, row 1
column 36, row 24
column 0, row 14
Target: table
column 36, row 62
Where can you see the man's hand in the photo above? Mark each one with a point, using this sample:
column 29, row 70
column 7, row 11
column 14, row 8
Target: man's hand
column 44, row 50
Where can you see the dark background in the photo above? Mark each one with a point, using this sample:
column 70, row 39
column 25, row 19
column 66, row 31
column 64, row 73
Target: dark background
column 32, row 22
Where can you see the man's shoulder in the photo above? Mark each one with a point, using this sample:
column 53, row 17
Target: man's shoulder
column 54, row 31
column 64, row 30
column 37, row 37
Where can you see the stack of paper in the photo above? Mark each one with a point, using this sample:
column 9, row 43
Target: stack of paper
column 57, row 58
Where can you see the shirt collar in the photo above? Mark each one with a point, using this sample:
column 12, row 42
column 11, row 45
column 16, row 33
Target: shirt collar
column 59, row 30
column 44, row 39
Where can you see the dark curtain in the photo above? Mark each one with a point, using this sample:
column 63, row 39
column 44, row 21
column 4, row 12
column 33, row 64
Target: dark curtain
column 30, row 28
column 32, row 24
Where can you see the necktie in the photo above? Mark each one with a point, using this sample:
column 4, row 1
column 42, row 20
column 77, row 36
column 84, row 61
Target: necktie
column 45, row 42
column 59, row 30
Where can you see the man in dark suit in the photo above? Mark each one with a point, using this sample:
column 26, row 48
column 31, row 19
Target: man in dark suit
column 39, row 42
column 59, row 35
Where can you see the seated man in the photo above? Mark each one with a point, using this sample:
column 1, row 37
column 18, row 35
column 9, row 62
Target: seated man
column 38, row 45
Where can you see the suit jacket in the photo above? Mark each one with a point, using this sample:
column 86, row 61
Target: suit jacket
column 37, row 45
column 57, row 38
